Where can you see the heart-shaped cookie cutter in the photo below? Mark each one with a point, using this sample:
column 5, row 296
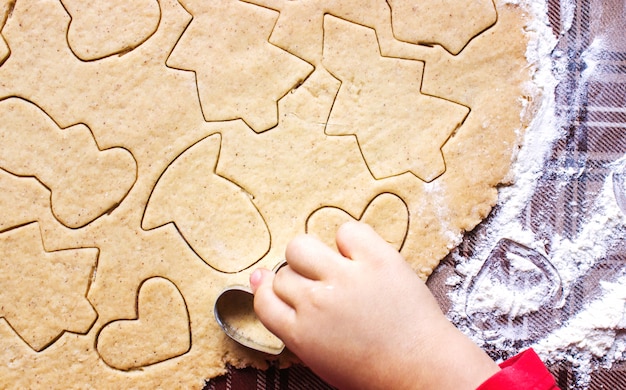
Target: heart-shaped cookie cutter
column 234, row 313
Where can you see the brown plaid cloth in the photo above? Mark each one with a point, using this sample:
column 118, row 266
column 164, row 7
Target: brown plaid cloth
column 594, row 114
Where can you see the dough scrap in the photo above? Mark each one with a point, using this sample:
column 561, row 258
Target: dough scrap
column 236, row 100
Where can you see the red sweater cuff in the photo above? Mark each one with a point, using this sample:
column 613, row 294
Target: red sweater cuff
column 522, row 372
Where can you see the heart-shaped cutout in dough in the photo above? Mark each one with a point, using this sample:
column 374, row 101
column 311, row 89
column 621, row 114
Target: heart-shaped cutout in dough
column 160, row 332
column 386, row 213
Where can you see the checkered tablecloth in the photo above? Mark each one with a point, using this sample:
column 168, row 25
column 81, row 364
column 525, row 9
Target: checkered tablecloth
column 593, row 111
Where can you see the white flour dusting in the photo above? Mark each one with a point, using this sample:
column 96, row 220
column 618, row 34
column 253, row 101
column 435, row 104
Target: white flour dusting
column 602, row 227
column 496, row 298
column 592, row 334
column 567, row 9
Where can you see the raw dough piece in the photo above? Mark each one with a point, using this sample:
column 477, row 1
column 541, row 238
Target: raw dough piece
column 227, row 108
column 26, row 200
column 5, row 8
column 211, row 213
column 85, row 182
column 398, row 128
column 409, row 25
column 159, row 332
column 300, row 29
column 101, row 28
column 43, row 293
column 240, row 74
column 386, row 213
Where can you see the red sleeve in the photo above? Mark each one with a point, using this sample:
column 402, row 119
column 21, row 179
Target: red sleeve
column 522, row 372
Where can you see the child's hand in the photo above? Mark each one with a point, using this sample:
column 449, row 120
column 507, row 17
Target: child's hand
column 362, row 318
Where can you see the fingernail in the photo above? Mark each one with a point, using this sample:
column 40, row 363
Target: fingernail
column 255, row 279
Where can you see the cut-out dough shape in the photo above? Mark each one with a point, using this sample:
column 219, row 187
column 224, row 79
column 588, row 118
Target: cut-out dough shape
column 449, row 23
column 299, row 28
column 161, row 329
column 239, row 73
column 100, row 28
column 408, row 130
column 211, row 213
column 43, row 293
column 5, row 9
column 387, row 214
column 85, row 182
column 22, row 200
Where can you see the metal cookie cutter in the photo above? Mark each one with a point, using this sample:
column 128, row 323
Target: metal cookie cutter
column 234, row 312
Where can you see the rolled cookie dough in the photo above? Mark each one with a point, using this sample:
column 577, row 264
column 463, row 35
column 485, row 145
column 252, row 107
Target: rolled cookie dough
column 272, row 116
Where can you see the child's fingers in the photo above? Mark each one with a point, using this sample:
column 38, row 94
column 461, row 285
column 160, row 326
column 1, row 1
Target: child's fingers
column 310, row 257
column 359, row 241
column 258, row 277
column 273, row 312
column 291, row 287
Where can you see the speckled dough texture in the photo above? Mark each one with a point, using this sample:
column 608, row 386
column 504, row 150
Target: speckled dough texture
column 153, row 153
